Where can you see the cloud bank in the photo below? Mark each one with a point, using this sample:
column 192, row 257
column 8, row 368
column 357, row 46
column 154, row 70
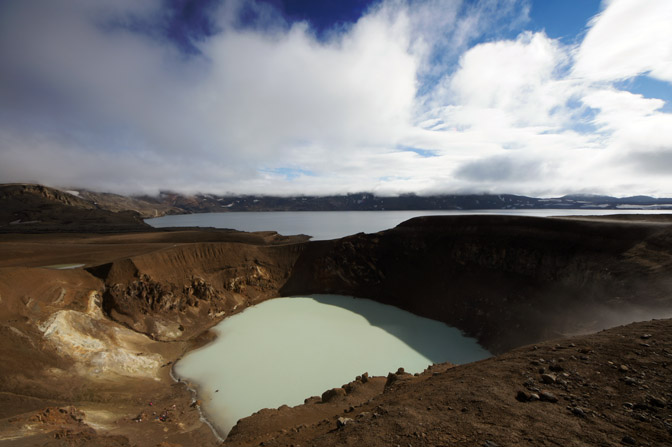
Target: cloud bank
column 423, row 96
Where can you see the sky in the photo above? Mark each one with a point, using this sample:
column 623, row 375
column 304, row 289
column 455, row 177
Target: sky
column 286, row 97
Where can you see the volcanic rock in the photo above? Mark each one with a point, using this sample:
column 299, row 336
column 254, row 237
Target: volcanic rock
column 332, row 394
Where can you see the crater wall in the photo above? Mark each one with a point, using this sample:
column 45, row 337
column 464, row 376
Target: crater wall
column 507, row 281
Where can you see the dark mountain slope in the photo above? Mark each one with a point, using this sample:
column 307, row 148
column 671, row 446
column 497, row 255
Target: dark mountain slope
column 28, row 208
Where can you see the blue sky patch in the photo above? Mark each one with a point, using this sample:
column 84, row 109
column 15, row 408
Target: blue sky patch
column 649, row 87
column 290, row 173
column 563, row 19
column 426, row 153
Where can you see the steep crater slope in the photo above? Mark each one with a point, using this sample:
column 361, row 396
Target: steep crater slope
column 506, row 280
column 177, row 293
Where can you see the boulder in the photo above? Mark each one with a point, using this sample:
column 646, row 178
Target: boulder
column 332, row 394
column 342, row 422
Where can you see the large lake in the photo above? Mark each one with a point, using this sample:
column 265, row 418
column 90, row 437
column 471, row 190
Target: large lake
column 322, row 225
column 287, row 349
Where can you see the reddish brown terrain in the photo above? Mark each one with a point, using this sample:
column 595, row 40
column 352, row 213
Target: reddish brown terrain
column 87, row 351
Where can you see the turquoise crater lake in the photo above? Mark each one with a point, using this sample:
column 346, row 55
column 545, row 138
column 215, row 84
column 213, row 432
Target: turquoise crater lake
column 286, row 349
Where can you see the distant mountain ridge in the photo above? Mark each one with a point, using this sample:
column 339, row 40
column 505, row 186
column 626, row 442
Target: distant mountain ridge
column 37, row 204
column 370, row 202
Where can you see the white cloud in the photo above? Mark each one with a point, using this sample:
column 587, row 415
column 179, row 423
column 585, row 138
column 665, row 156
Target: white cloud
column 620, row 109
column 517, row 78
column 632, row 125
column 270, row 92
column 626, row 39
column 509, row 117
column 117, row 110
column 253, row 100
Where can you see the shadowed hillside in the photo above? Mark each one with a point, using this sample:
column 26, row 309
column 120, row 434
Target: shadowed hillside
column 505, row 280
column 30, row 208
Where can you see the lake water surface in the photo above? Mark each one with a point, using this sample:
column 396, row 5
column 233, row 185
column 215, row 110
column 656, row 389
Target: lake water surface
column 287, row 349
column 322, row 225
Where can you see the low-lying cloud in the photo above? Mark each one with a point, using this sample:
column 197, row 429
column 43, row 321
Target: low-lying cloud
column 498, row 169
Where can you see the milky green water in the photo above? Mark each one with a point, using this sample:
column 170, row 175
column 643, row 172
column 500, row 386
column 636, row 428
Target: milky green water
column 286, row 349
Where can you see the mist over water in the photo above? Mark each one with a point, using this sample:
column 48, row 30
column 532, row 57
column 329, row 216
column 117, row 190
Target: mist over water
column 287, row 349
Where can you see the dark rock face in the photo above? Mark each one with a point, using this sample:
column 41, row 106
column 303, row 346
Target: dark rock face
column 152, row 296
column 504, row 280
column 155, row 302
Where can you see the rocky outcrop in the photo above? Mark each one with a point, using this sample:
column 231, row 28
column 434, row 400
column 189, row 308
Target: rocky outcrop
column 160, row 309
column 333, row 394
column 179, row 292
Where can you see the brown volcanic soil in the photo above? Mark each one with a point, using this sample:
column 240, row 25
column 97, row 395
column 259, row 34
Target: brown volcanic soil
column 608, row 389
column 59, row 350
column 102, row 339
column 36, row 250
